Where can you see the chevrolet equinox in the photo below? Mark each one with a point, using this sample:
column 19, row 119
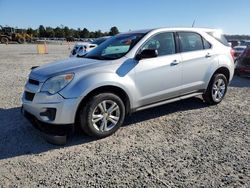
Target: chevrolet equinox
column 130, row 72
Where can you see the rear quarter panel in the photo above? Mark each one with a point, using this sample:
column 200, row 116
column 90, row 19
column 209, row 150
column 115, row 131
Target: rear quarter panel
column 226, row 60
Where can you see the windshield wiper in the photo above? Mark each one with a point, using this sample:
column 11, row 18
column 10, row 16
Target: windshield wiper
column 81, row 56
column 97, row 57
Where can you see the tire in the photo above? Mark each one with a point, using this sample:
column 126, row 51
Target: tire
column 216, row 90
column 4, row 40
column 28, row 40
column 96, row 117
column 21, row 40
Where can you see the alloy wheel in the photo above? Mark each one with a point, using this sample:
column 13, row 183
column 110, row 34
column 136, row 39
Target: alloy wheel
column 218, row 90
column 106, row 115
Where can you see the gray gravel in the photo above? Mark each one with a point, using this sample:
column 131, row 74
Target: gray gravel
column 183, row 144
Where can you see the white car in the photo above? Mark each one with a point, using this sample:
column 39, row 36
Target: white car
column 130, row 72
column 81, row 48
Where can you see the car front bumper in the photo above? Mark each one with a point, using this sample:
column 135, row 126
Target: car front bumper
column 52, row 109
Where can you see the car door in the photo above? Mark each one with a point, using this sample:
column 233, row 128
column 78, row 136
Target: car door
column 159, row 78
column 197, row 56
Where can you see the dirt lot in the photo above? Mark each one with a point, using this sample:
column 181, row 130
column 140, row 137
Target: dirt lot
column 184, row 144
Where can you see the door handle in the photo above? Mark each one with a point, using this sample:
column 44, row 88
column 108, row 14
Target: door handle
column 175, row 62
column 208, row 55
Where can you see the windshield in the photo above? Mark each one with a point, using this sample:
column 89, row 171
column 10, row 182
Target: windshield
column 99, row 41
column 115, row 47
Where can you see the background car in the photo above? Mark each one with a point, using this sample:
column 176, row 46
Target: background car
column 100, row 40
column 238, row 50
column 245, row 42
column 81, row 48
column 234, row 43
column 243, row 63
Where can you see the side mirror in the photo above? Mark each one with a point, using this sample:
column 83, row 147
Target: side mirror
column 34, row 67
column 147, row 53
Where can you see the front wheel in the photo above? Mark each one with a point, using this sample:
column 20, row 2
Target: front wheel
column 4, row 40
column 102, row 115
column 216, row 90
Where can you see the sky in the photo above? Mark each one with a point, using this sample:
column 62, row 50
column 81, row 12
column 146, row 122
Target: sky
column 229, row 15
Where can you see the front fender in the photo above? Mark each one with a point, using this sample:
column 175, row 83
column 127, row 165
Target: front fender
column 81, row 86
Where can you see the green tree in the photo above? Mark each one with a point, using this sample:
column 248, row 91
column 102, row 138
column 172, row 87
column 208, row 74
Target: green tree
column 113, row 31
column 105, row 34
column 84, row 33
column 68, row 32
column 76, row 33
column 50, row 33
column 98, row 34
column 41, row 31
column 59, row 33
column 32, row 32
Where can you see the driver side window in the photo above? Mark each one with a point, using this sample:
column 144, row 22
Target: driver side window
column 164, row 43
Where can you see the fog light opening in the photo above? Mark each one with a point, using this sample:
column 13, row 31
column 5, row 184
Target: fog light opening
column 50, row 113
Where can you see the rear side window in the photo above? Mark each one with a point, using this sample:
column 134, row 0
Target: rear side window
column 206, row 44
column 190, row 41
column 220, row 37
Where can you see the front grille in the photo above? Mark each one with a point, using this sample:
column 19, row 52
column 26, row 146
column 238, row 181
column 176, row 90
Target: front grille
column 29, row 96
column 34, row 82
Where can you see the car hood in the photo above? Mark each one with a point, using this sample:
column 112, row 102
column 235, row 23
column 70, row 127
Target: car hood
column 69, row 65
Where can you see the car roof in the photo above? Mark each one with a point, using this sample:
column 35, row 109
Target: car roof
column 145, row 31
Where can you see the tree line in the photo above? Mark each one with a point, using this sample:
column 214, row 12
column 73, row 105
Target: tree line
column 66, row 32
column 237, row 37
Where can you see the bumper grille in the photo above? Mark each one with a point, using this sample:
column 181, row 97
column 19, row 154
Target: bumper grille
column 34, row 82
column 29, row 96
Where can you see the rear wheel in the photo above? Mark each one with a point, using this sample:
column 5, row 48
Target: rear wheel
column 216, row 90
column 102, row 115
column 4, row 40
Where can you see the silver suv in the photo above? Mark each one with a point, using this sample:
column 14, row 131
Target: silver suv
column 127, row 73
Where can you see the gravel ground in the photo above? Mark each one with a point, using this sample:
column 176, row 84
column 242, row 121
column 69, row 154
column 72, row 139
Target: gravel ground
column 183, row 144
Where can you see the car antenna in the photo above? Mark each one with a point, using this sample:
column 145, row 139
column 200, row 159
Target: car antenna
column 193, row 23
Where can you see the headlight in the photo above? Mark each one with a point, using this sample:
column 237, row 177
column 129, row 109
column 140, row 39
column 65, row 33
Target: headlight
column 57, row 83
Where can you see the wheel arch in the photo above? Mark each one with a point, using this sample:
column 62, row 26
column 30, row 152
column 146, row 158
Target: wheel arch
column 223, row 70
column 207, row 95
column 102, row 89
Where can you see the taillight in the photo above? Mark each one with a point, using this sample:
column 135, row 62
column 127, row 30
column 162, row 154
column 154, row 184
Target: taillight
column 232, row 53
